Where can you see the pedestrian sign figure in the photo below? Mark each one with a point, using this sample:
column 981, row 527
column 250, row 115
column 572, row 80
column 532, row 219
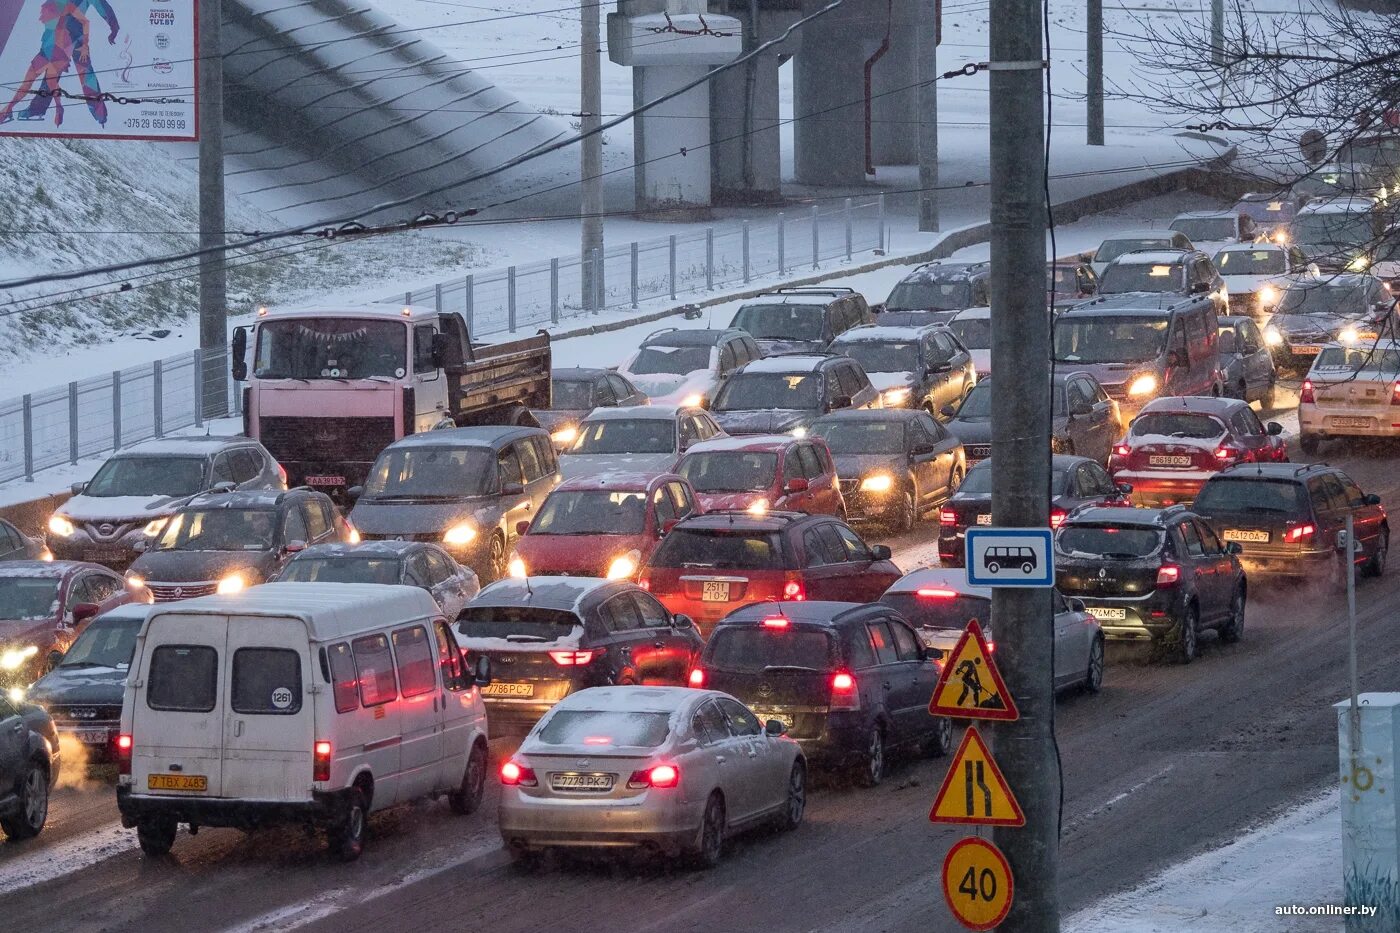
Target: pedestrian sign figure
column 970, row 686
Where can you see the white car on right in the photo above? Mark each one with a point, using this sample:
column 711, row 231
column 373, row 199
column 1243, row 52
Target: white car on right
column 1351, row 390
column 1257, row 274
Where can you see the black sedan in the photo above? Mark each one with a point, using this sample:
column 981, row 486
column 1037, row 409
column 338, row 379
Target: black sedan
column 1084, row 420
column 409, row 563
column 895, row 465
column 577, row 391
column 29, row 761
column 1074, row 481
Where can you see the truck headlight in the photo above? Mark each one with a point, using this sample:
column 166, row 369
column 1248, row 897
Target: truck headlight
column 565, row 436
column 459, row 535
column 895, row 397
column 516, row 567
column 880, row 482
column 61, row 526
column 233, row 583
column 1272, row 336
column 624, row 567
column 14, row 658
column 1268, row 295
column 1145, row 384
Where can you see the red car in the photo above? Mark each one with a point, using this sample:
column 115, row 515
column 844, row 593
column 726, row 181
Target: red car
column 776, row 472
column 710, row 565
column 44, row 605
column 1175, row 444
column 602, row 525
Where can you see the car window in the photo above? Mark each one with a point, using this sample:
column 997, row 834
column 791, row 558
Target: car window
column 344, row 682
column 317, row 519
column 1084, row 484
column 1354, row 496
column 849, row 378
column 416, row 659
column 416, row 572
column 294, row 526
column 1247, row 337
column 665, row 508
column 439, row 568
column 859, row 652
column 454, row 674
column 529, row 459
column 247, row 463
column 604, row 395
column 423, row 349
column 741, row 720
column 1102, row 481
column 621, row 613
column 653, row 614
column 265, row 682
column 374, row 664
column 792, row 464
column 819, row 553
column 709, row 724
column 223, row 469
column 811, row 465
column 681, row 498
column 508, row 467
column 727, row 359
column 883, row 642
column 1336, row 495
column 689, row 432
column 833, row 548
column 1192, row 539
column 855, row 547
column 833, row 385
column 621, row 388
column 1208, row 539
column 549, row 463
column 183, row 678
column 906, row 644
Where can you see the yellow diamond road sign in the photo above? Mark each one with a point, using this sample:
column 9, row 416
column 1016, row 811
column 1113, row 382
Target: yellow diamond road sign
column 970, row 686
column 974, row 790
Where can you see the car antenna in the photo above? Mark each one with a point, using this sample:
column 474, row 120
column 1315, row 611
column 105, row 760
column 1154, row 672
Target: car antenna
column 529, row 591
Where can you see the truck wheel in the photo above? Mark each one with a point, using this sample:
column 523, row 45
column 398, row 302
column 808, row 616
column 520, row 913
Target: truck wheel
column 347, row 838
column 468, row 796
column 156, row 835
column 32, row 792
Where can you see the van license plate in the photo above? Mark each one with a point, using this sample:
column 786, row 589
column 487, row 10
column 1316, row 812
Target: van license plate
column 508, row 690
column 575, row 780
column 1106, row 614
column 196, row 782
column 714, row 591
column 1172, row 461
column 325, row 481
column 1235, row 534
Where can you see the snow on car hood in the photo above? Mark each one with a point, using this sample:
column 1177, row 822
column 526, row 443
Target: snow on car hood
column 107, row 508
column 768, row 421
column 701, row 382
column 656, row 385
column 883, row 381
column 774, row 347
column 1240, row 284
column 571, row 465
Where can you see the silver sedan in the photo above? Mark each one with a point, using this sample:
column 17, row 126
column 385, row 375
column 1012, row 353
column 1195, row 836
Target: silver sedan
column 668, row 769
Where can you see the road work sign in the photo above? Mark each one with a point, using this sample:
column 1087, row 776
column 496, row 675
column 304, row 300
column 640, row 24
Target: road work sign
column 977, row 883
column 970, row 686
column 974, row 790
column 1010, row 557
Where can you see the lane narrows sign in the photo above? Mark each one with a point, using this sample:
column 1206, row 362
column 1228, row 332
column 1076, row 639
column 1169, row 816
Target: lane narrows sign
column 974, row 790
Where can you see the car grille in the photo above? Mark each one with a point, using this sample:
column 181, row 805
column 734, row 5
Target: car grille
column 79, row 714
column 326, row 439
column 169, row 592
column 977, row 451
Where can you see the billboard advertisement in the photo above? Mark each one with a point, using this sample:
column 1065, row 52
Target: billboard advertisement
column 99, row 69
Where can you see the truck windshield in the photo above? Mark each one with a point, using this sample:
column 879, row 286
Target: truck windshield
column 432, row 473
column 1104, row 339
column 148, row 476
column 331, row 348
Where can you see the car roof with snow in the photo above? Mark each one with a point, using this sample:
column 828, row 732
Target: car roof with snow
column 185, row 445
column 484, row 435
column 577, row 373
column 870, row 414
column 754, row 442
column 882, row 333
column 947, row 578
column 973, row 314
column 786, row 363
column 128, row 611
column 1266, row 246
column 632, row 412
column 1207, row 215
column 697, row 337
column 383, row 312
column 377, row 549
column 565, row 594
column 949, row 272
column 37, row 569
column 1194, row 405
column 244, row 499
column 1152, row 233
column 1342, row 205
column 1333, row 280
column 816, row 299
column 1147, row 304
column 621, row 480
column 329, row 610
column 810, row 612
column 1152, row 257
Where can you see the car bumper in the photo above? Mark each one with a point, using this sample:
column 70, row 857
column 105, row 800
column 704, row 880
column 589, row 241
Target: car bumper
column 869, row 507
column 512, row 717
column 1142, row 619
column 98, row 751
column 321, row 810
column 331, row 477
column 1153, row 490
column 118, row 554
column 528, row 822
column 1308, row 564
column 952, row 547
column 1325, row 422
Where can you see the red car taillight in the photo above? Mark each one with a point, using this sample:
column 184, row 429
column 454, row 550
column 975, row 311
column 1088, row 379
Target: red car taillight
column 794, row 591
column 1228, row 455
column 947, row 517
column 1168, row 575
column 1121, row 450
column 1395, row 393
column 655, row 776
column 644, row 583
column 124, row 744
column 321, row 761
column 1306, row 394
column 517, row 775
column 845, row 693
column 935, row 592
column 697, row 677
column 1057, row 517
column 1299, row 533
column 576, row 658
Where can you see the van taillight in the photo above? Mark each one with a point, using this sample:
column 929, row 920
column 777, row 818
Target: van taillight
column 844, row 692
column 124, row 744
column 321, row 761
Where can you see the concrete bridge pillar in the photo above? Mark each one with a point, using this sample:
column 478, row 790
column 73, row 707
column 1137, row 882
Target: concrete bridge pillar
column 829, row 94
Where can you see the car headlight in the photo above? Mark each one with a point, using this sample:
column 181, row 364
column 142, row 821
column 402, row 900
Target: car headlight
column 352, row 534
column 1348, row 335
column 1359, row 264
column 799, row 431
column 1268, row 295
column 1272, row 336
column 153, row 527
column 232, row 583
column 1145, row 384
column 880, row 482
column 459, row 535
column 624, row 567
column 564, row 435
column 14, row 658
column 895, row 397
column 16, row 695
column 135, row 581
column 516, row 567
column 46, row 555
column 758, row 507
column 61, row 526
column 1280, row 236
column 693, row 400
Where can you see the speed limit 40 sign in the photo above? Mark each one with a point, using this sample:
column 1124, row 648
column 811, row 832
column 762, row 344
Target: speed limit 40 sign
column 977, row 883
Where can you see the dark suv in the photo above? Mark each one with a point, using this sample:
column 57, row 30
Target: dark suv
column 801, row 318
column 787, row 393
column 851, row 682
column 29, row 761
column 1158, row 574
column 227, row 541
column 942, row 288
column 1286, row 518
column 913, row 367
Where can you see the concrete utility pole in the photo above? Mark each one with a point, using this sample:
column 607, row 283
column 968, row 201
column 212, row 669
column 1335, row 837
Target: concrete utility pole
column 928, row 114
column 1094, row 63
column 213, row 274
column 1217, row 32
column 591, row 152
column 1022, row 618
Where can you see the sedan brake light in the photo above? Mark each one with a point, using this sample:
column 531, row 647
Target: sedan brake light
column 936, row 592
column 655, row 776
column 1227, row 454
column 794, row 591
column 1057, row 517
column 1299, row 533
column 1168, row 575
column 697, row 677
column 1306, row 394
column 576, row 658
column 514, row 774
column 1122, row 450
column 844, row 691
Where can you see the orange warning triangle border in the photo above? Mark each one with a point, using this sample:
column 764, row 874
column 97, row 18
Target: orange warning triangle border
column 1008, row 713
column 971, row 737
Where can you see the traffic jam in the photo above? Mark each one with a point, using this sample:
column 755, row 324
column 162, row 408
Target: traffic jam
column 654, row 604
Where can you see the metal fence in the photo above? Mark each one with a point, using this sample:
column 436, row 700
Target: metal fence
column 92, row 416
column 531, row 295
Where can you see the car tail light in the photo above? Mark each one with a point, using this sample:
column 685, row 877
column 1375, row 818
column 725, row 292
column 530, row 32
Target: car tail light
column 947, row 517
column 1395, row 393
column 1057, row 517
column 282, row 472
column 1121, row 450
column 991, row 647
column 697, row 677
column 644, row 583
column 1306, row 394
column 321, row 761
column 577, row 658
column 776, row 622
column 124, row 744
column 514, row 774
column 794, row 591
column 1227, row 454
column 655, row 776
column 1168, row 575
column 936, row 592
column 844, row 694
column 1299, row 533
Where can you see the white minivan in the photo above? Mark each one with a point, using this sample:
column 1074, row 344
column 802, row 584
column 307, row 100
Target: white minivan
column 312, row 703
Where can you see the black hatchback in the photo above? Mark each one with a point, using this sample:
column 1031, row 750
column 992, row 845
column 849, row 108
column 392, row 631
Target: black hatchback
column 548, row 637
column 850, row 681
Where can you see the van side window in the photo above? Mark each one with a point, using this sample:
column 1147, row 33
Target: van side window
column 343, row 679
column 266, row 681
column 415, row 657
column 884, row 643
column 183, row 678
column 454, row 677
column 376, row 669
column 530, row 459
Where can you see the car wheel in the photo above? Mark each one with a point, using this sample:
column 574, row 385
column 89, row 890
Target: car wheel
column 871, row 770
column 156, row 836
column 1093, row 677
column 496, row 559
column 903, row 519
column 1186, row 636
column 33, row 800
column 1233, row 630
column 347, row 838
column 467, row 798
column 1308, row 443
column 938, row 744
column 796, row 804
column 1376, row 565
column 711, row 848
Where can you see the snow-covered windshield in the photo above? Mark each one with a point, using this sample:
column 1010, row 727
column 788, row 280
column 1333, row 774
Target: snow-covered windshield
column 381, row 570
column 591, row 512
column 331, row 348
column 1109, row 339
column 670, row 361
column 432, row 472
column 883, row 357
column 1111, row 248
column 1250, row 262
column 974, row 332
column 930, row 296
column 782, row 322
column 729, row 470
column 218, row 530
column 148, row 476
column 1142, row 277
column 28, row 597
column 757, row 391
column 1204, row 229
column 1177, row 424
column 626, row 436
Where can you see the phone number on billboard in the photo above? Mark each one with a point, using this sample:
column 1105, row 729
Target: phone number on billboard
column 146, row 123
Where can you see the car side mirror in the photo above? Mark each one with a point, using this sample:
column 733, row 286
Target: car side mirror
column 773, row 728
column 1371, row 499
column 921, row 449
column 797, row 485
column 294, row 546
column 481, row 674
column 439, row 350
column 139, row 545
column 1077, row 605
column 354, row 492
column 1274, row 428
column 522, row 526
column 238, row 365
column 84, row 611
column 881, row 551
column 513, row 489
column 1233, row 547
column 668, row 525
column 947, row 411
column 682, row 621
column 77, row 488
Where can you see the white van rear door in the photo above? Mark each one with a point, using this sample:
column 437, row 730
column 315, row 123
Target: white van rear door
column 177, row 719
column 269, row 730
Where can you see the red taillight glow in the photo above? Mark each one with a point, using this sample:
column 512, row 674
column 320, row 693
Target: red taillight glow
column 655, row 776
column 1227, row 454
column 1122, row 450
column 1057, row 517
column 697, row 677
column 282, row 472
column 844, row 694
column 992, row 647
column 933, row 592
column 644, row 583
column 1168, row 575
column 1306, row 394
column 124, row 744
column 575, row 658
column 776, row 621
column 1294, row 535
column 517, row 775
column 1395, row 393
column 843, row 682
column 321, row 761
column 794, row 591
column 947, row 517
